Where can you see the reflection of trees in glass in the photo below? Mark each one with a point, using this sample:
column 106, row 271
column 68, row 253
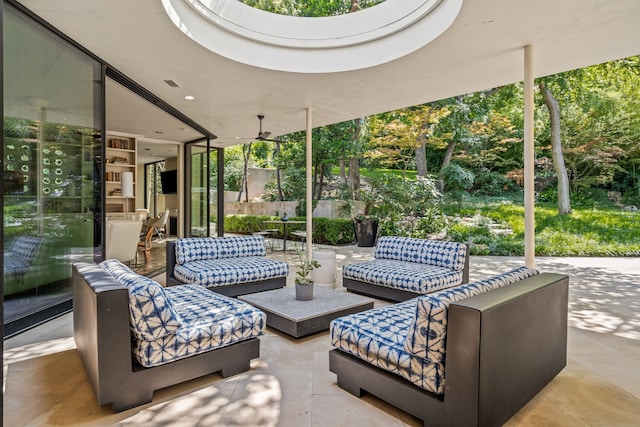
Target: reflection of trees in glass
column 311, row 8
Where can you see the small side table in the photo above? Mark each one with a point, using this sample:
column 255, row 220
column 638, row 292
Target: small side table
column 325, row 275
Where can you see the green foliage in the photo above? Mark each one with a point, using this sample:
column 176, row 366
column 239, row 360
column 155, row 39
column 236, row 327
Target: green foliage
column 245, row 224
column 333, row 231
column 327, row 231
column 457, row 180
column 305, row 267
column 491, row 183
column 586, row 232
column 311, row 8
column 433, row 222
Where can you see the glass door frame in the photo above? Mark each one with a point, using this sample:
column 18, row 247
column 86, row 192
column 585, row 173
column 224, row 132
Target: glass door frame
column 219, row 183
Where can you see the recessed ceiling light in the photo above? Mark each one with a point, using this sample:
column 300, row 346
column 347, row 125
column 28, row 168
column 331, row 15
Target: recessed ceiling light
column 189, row 98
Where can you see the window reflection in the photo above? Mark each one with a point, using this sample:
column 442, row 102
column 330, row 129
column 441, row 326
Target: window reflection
column 52, row 146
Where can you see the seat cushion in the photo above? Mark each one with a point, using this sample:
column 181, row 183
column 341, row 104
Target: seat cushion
column 26, row 247
column 209, row 321
column 389, row 337
column 377, row 336
column 230, row 271
column 201, row 248
column 153, row 314
column 450, row 255
column 427, row 333
column 15, row 264
column 407, row 276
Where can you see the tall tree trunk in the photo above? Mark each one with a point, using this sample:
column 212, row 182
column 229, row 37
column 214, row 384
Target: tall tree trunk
column 564, row 202
column 446, row 161
column 321, row 183
column 244, row 185
column 353, row 179
column 421, row 159
column 343, row 171
column 278, row 174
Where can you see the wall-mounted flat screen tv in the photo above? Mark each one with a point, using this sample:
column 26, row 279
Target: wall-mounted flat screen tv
column 169, row 181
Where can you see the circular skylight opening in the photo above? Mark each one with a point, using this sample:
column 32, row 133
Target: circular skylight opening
column 370, row 37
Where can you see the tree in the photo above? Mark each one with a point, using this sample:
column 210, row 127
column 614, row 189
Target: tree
column 564, row 202
column 397, row 136
column 244, row 185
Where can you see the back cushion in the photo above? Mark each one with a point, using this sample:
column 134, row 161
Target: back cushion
column 26, row 247
column 153, row 315
column 433, row 252
column 426, row 337
column 201, row 248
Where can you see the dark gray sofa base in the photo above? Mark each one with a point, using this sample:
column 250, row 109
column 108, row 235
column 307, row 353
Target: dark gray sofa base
column 229, row 290
column 503, row 347
column 393, row 294
column 382, row 292
column 103, row 338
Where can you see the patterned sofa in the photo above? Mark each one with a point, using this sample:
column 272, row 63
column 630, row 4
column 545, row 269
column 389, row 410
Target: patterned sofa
column 134, row 336
column 405, row 268
column 232, row 266
column 19, row 258
column 469, row 355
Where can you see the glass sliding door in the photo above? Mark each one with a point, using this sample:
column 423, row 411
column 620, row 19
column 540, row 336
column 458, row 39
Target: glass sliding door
column 52, row 168
column 202, row 179
column 153, row 200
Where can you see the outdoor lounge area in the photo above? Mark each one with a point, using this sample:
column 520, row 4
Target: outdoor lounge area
column 144, row 140
column 290, row 383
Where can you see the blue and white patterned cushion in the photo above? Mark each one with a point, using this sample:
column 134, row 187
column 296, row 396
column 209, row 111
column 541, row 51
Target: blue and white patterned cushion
column 407, row 276
column 14, row 264
column 388, row 337
column 26, row 247
column 230, row 271
column 201, row 248
column 17, row 261
column 451, row 255
column 426, row 337
column 377, row 336
column 152, row 313
column 209, row 321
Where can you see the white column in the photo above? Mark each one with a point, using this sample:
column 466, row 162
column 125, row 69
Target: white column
column 529, row 160
column 309, row 178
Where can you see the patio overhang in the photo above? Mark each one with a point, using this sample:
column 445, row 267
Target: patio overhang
column 481, row 49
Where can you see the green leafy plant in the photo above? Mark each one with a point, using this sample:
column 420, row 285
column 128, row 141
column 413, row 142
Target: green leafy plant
column 305, row 267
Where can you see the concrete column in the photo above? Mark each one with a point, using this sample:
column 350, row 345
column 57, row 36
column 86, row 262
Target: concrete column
column 529, row 160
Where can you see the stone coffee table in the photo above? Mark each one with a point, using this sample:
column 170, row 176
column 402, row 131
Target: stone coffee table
column 301, row 318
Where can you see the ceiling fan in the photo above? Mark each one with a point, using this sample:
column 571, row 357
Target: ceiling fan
column 263, row 136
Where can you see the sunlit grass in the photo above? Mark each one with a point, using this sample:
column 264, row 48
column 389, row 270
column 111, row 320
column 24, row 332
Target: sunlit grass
column 586, row 232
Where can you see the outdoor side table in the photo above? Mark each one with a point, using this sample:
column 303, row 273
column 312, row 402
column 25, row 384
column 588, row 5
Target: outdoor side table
column 326, row 274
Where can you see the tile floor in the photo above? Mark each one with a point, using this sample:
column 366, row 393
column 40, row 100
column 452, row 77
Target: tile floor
column 290, row 384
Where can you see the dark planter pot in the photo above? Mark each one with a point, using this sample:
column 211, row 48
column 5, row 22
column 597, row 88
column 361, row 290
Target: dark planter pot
column 304, row 292
column 366, row 232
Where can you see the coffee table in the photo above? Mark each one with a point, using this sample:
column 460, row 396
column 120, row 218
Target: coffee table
column 301, row 318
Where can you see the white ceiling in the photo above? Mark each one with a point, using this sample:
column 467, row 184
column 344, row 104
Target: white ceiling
column 483, row 48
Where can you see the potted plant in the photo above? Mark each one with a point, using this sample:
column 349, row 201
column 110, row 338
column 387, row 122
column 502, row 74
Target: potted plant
column 365, row 224
column 303, row 280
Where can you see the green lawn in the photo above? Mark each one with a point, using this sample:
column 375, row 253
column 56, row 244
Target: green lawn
column 586, row 232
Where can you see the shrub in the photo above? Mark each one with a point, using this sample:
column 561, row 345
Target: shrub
column 327, row 231
column 245, row 224
column 492, row 183
column 333, row 231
